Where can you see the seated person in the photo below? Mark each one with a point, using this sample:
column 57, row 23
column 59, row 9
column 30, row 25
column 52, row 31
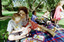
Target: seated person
column 34, row 17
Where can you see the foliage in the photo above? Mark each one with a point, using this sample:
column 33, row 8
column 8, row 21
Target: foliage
column 51, row 4
column 3, row 29
column 38, row 5
column 7, row 4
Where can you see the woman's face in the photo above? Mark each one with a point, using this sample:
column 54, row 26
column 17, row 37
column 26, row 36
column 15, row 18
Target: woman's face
column 22, row 14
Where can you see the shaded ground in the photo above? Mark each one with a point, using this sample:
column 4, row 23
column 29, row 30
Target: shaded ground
column 3, row 27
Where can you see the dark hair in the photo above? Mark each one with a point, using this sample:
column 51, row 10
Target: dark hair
column 33, row 12
column 24, row 9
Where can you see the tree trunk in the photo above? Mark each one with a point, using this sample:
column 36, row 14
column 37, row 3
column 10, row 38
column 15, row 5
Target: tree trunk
column 1, row 14
column 0, row 9
column 38, row 5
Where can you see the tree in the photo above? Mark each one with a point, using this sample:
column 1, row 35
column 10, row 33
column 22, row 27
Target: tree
column 7, row 4
column 30, row 4
column 51, row 4
column 38, row 5
column 0, row 9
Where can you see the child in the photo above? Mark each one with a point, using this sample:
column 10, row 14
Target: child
column 15, row 26
column 50, row 25
column 57, row 15
column 34, row 17
column 14, row 23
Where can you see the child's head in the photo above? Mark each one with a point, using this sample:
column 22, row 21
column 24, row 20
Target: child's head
column 34, row 12
column 16, row 17
column 60, row 3
column 48, row 22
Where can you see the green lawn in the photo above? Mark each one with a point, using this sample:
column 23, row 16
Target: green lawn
column 9, row 13
column 61, row 22
column 3, row 27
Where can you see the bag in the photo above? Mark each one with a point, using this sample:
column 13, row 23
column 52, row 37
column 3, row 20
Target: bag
column 39, row 22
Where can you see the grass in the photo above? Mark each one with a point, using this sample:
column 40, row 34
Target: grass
column 3, row 25
column 8, row 13
column 39, row 14
column 3, row 29
column 61, row 23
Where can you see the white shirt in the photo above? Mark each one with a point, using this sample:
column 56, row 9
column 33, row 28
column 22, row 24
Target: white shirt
column 12, row 25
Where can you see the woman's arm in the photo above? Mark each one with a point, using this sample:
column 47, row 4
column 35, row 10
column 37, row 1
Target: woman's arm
column 20, row 30
column 13, row 37
column 22, row 35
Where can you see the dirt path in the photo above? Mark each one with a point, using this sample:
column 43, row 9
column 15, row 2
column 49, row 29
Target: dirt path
column 5, row 17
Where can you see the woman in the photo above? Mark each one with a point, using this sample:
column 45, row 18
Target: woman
column 58, row 37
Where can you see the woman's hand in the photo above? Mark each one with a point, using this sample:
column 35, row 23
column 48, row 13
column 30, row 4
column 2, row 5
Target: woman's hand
column 25, row 32
column 19, row 30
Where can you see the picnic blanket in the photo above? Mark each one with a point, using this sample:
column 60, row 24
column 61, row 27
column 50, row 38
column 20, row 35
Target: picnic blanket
column 59, row 37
